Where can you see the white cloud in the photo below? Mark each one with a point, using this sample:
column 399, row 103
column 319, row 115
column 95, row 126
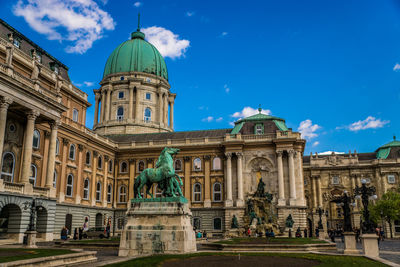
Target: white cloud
column 219, row 119
column 307, row 129
column 208, row 119
column 224, row 34
column 316, row 143
column 88, row 83
column 232, row 123
column 166, row 42
column 369, row 123
column 249, row 111
column 330, row 153
column 189, row 13
column 396, row 67
column 227, row 89
column 203, row 108
column 78, row 22
column 138, row 4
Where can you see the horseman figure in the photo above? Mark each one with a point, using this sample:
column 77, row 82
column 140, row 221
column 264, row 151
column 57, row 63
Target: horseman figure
column 163, row 174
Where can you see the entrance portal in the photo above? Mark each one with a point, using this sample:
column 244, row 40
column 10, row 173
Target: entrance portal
column 10, row 221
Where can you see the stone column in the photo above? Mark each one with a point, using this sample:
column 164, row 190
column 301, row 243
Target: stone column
column 52, row 156
column 171, row 115
column 166, row 110
column 108, row 104
column 63, row 177
column 160, row 108
column 96, row 109
column 137, row 105
column 44, row 165
column 28, row 141
column 103, row 104
column 240, row 201
column 292, row 178
column 228, row 201
column 281, row 183
column 300, row 178
column 132, row 166
column 130, row 109
column 93, row 180
column 314, row 190
column 103, row 197
column 207, row 182
column 188, row 169
column 4, row 104
column 319, row 192
column 78, row 183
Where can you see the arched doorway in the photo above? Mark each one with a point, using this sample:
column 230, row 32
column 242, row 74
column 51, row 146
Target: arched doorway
column 10, row 221
column 41, row 221
column 68, row 222
column 99, row 220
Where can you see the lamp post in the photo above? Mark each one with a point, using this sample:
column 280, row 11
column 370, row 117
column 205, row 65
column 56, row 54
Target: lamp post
column 320, row 211
column 365, row 193
column 369, row 238
column 327, row 216
column 345, row 201
column 33, row 206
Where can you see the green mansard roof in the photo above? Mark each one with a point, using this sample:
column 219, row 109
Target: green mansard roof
column 384, row 151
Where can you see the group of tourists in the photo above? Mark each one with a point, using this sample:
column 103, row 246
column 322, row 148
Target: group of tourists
column 79, row 233
column 201, row 234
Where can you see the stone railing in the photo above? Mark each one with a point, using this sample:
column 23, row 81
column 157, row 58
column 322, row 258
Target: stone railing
column 13, row 187
column 3, row 68
column 43, row 191
column 258, row 136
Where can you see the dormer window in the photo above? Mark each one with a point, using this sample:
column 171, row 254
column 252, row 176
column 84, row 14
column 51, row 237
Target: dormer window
column 259, row 129
column 38, row 57
column 56, row 69
column 121, row 95
column 16, row 43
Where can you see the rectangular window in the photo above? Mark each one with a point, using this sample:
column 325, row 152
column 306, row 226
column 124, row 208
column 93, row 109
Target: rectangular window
column 335, row 180
column 259, row 129
column 75, row 115
column 148, row 96
column 56, row 69
column 391, row 179
column 120, row 95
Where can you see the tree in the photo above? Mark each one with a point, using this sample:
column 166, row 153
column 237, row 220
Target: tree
column 387, row 208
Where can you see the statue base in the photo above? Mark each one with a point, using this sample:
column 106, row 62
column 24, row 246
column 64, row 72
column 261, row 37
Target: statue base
column 370, row 245
column 158, row 226
column 350, row 245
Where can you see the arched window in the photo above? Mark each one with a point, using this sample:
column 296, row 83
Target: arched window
column 122, row 194
column 75, row 114
column 178, row 165
column 55, row 179
column 100, row 162
column 120, row 113
column 217, row 222
column 70, row 184
column 88, row 157
column 36, row 139
column 197, row 164
column 109, row 192
column 33, row 174
column 98, row 191
column 72, row 152
column 57, row 146
column 110, row 165
column 7, row 169
column 197, row 192
column 197, row 223
column 141, row 166
column 147, row 114
column 217, row 192
column 86, row 186
column 124, row 167
column 216, row 163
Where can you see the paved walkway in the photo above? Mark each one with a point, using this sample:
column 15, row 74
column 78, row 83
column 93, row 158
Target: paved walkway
column 388, row 249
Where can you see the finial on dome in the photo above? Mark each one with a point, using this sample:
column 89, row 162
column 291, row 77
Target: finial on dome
column 138, row 23
column 259, row 109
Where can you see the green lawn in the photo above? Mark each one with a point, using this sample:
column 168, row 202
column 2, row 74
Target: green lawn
column 325, row 260
column 16, row 254
column 103, row 240
column 276, row 240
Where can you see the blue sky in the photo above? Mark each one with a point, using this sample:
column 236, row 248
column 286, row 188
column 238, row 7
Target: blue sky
column 328, row 67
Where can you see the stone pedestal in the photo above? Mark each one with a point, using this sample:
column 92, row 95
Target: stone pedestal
column 370, row 245
column 31, row 239
column 158, row 226
column 350, row 245
column 321, row 234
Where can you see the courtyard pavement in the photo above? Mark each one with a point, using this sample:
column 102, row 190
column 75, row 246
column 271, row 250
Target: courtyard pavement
column 388, row 249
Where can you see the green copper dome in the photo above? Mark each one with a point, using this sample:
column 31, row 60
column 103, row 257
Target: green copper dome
column 138, row 55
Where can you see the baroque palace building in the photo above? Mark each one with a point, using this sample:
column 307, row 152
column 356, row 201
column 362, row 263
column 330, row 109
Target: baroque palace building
column 74, row 172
